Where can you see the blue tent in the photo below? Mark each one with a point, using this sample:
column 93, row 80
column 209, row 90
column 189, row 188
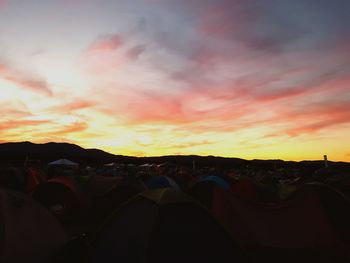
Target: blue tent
column 217, row 180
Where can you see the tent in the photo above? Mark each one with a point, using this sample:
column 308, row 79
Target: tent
column 248, row 189
column 335, row 205
column 108, row 195
column 29, row 233
column 63, row 196
column 161, row 182
column 99, row 185
column 217, row 180
column 203, row 188
column 304, row 228
column 163, row 225
column 63, row 162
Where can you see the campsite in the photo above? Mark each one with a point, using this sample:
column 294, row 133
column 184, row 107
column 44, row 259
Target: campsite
column 61, row 211
column 170, row 131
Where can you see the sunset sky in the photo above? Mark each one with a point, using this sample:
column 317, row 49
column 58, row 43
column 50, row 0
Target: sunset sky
column 252, row 79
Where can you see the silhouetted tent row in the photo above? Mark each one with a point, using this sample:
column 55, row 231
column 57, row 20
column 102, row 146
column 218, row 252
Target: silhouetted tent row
column 148, row 165
column 313, row 218
column 110, row 164
column 203, row 190
column 63, row 162
column 289, row 221
column 81, row 203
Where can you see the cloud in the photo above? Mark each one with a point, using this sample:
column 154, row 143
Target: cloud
column 3, row 3
column 106, row 43
column 218, row 33
column 110, row 52
column 20, row 124
column 309, row 106
column 318, row 116
column 14, row 109
column 189, row 144
column 75, row 105
column 136, row 51
column 25, row 80
column 10, row 112
column 72, row 128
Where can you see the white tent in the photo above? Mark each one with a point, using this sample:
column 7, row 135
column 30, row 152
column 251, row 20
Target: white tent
column 63, row 162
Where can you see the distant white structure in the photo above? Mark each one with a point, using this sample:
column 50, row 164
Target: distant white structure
column 63, row 162
column 325, row 161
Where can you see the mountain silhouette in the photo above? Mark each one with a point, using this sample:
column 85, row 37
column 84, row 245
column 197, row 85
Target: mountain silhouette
column 17, row 152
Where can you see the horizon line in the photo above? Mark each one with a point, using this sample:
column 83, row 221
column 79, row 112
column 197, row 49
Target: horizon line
column 179, row 155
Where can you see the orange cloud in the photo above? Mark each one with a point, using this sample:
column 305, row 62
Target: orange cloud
column 20, row 124
column 73, row 106
column 72, row 128
column 189, row 144
column 23, row 80
column 14, row 109
column 14, row 113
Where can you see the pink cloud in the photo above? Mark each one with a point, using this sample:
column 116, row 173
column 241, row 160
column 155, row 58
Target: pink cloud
column 104, row 55
column 72, row 128
column 19, row 124
column 14, row 113
column 110, row 52
column 134, row 52
column 3, row 3
column 24, row 80
column 106, row 43
column 311, row 118
column 239, row 105
column 75, row 105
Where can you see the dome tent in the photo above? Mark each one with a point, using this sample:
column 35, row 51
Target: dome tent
column 63, row 162
column 29, row 233
column 161, row 182
column 311, row 226
column 203, row 189
column 64, row 197
column 163, row 225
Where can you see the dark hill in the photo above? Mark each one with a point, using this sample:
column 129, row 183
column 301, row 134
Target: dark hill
column 17, row 152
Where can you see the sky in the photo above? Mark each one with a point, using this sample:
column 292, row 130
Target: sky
column 237, row 78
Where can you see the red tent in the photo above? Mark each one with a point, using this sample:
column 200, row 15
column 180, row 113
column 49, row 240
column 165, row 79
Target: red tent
column 64, row 197
column 304, row 224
